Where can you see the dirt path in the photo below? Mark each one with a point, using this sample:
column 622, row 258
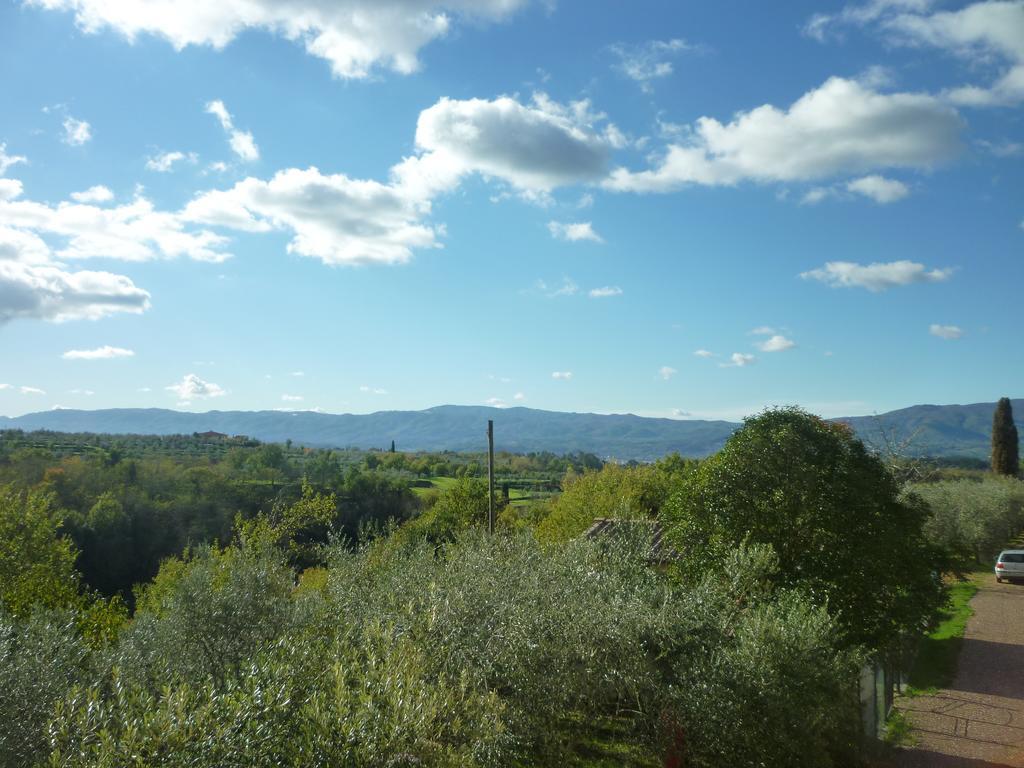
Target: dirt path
column 979, row 721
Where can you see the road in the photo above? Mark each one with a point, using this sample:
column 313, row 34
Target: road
column 979, row 721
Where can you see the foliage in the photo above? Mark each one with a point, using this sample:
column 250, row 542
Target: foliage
column 1005, row 443
column 828, row 508
column 37, row 564
column 973, row 518
column 42, row 656
column 616, row 491
column 461, row 505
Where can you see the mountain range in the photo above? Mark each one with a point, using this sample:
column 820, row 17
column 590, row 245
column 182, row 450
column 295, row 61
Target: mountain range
column 920, row 430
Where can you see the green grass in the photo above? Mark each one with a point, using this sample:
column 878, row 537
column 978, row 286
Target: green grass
column 898, row 730
column 936, row 660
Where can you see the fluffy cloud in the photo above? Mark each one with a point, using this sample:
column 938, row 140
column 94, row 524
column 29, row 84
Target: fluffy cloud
column 666, row 372
column 879, row 188
column 97, row 194
column 648, row 61
column 31, row 391
column 101, row 353
column 877, row 276
column 192, row 387
column 47, row 292
column 991, row 31
column 820, row 25
column 334, row 218
column 534, row 147
column 561, row 375
column 776, row 343
column 133, row 232
column 242, row 143
column 6, row 161
column 165, row 161
column 705, row 353
column 739, row 360
column 842, row 127
column 574, row 232
column 354, row 36
column 604, row 293
column 76, row 132
column 292, row 398
column 947, row 332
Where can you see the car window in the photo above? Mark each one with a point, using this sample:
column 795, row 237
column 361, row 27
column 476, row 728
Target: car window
column 1010, row 557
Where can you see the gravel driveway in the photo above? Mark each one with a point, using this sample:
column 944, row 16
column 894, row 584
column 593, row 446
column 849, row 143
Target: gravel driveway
column 979, row 721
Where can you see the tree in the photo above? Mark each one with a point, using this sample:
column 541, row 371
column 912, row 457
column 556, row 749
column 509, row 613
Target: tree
column 831, row 511
column 37, row 564
column 1005, row 443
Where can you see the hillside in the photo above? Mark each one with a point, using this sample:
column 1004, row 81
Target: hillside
column 936, row 430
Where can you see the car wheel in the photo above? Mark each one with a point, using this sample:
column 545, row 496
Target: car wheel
column 998, row 580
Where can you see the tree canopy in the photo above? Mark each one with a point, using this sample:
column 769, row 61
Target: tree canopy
column 830, row 510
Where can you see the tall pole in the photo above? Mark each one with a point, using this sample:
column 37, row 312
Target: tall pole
column 490, row 476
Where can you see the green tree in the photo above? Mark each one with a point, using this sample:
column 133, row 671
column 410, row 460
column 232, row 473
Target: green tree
column 831, row 511
column 1005, row 443
column 37, row 564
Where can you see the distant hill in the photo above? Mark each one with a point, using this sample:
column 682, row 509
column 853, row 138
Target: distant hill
column 934, row 430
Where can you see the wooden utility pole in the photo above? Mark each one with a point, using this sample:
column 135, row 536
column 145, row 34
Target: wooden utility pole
column 490, row 476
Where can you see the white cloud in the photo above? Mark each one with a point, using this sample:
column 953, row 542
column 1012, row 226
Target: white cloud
column 877, row 276
column 739, row 360
column 574, row 232
column 816, row 195
column 763, row 330
column 821, row 25
column 985, row 32
column 704, row 353
column 165, row 161
column 947, row 332
column 534, row 147
column 585, row 201
column 605, row 292
column 842, row 127
column 561, row 375
column 135, row 231
column 776, row 343
column 334, row 218
column 76, row 132
column 648, row 61
column 242, row 142
column 496, row 402
column 667, row 372
column 373, row 390
column 4, row 386
column 297, row 374
column 519, row 397
column 292, row 398
column 879, row 188
column 84, row 392
column 96, row 194
column 353, row 36
column 49, row 292
column 6, row 161
column 567, row 288
column 1004, row 148
column 100, row 353
column 31, row 391
column 192, row 387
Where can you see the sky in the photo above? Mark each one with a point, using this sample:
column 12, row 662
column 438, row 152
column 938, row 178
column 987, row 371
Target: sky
column 684, row 210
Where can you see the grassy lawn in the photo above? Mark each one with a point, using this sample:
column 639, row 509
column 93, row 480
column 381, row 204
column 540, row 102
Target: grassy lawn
column 935, row 664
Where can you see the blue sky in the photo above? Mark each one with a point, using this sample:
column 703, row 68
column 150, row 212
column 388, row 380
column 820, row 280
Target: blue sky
column 682, row 210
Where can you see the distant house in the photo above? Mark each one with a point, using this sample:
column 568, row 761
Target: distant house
column 212, row 435
column 661, row 552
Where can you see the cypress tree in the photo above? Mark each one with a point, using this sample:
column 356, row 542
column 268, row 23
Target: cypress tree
column 1005, row 445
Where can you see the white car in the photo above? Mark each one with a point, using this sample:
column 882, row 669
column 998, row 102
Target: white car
column 1010, row 565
